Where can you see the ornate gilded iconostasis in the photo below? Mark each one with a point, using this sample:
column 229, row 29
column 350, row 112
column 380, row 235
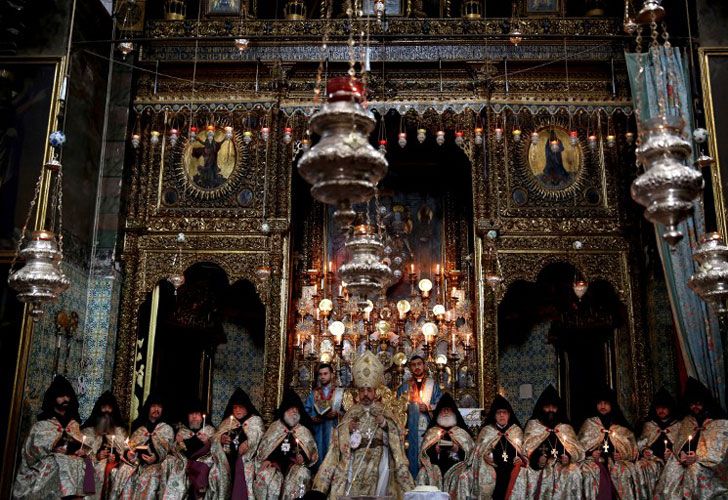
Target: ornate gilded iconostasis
column 503, row 213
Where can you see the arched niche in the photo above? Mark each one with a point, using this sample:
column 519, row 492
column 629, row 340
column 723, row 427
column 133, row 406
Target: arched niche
column 548, row 335
column 199, row 341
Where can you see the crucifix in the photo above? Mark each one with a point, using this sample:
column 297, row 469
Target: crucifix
column 605, row 446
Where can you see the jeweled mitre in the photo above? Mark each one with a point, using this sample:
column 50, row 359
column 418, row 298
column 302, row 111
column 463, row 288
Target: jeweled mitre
column 368, row 371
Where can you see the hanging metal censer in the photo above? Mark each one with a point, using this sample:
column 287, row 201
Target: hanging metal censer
column 41, row 279
column 343, row 168
column 710, row 281
column 365, row 274
column 668, row 187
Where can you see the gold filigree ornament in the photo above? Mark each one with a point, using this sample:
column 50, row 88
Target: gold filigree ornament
column 211, row 165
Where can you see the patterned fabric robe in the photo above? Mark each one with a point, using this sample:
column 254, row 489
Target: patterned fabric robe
column 555, row 480
column 175, row 479
column 316, row 406
column 103, row 469
column 44, row 474
column 706, row 478
column 140, row 481
column 254, row 430
column 270, row 482
column 626, row 478
column 417, row 422
column 651, row 467
column 430, row 474
column 478, row 480
column 382, row 467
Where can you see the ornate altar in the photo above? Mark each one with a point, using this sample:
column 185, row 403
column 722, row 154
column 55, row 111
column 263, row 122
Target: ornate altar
column 533, row 164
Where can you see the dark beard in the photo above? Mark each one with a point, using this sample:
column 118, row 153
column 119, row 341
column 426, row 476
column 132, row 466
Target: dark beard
column 549, row 418
column 606, row 420
column 104, row 424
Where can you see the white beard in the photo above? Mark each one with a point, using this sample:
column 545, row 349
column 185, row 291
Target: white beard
column 447, row 421
column 292, row 421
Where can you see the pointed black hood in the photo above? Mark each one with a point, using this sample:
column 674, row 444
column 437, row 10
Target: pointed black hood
column 143, row 418
column 664, row 398
column 501, row 403
column 106, row 399
column 60, row 387
column 291, row 399
column 447, row 401
column 550, row 396
column 240, row 397
column 696, row 391
column 616, row 416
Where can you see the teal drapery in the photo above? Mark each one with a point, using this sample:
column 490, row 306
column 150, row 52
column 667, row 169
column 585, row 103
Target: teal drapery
column 657, row 72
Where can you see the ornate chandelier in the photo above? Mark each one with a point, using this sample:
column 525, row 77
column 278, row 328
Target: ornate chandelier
column 365, row 275
column 434, row 320
column 710, row 281
column 40, row 280
column 343, row 168
column 668, row 187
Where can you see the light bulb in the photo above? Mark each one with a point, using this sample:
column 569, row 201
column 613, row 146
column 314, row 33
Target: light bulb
column 326, row 306
column 425, row 285
column 403, row 306
column 337, row 328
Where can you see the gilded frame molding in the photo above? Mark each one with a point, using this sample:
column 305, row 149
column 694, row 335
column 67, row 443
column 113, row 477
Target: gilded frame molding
column 719, row 194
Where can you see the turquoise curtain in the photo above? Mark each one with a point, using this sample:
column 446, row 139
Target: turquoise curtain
column 661, row 71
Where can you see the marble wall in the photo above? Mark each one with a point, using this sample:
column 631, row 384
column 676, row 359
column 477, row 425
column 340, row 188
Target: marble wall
column 533, row 362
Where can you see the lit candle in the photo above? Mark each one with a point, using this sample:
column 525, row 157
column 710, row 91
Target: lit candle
column 331, row 266
column 467, row 340
column 232, row 420
column 204, row 418
column 412, row 271
column 317, row 314
column 454, row 292
column 437, row 269
column 448, row 316
column 341, row 291
column 83, row 442
column 690, row 438
column 298, row 340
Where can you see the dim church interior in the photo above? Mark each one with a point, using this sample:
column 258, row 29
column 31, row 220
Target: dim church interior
column 515, row 238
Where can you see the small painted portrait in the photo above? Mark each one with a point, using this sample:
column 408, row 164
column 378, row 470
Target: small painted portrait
column 225, row 7
column 542, row 6
column 391, row 7
column 553, row 160
column 209, row 160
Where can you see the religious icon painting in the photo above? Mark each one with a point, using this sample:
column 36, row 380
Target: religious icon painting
column 224, row 7
column 555, row 165
column 391, row 7
column 210, row 165
column 542, row 7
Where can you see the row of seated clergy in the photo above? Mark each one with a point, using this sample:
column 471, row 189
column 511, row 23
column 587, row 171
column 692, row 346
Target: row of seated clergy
column 98, row 460
column 673, row 458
